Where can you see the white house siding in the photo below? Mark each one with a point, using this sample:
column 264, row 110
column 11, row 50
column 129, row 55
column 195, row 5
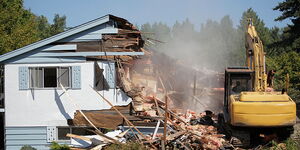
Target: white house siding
column 51, row 107
column 16, row 137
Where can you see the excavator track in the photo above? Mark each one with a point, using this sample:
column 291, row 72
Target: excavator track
column 238, row 138
column 245, row 137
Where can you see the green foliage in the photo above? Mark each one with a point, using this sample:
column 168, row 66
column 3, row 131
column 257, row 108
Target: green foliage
column 46, row 30
column 59, row 24
column 286, row 63
column 43, row 27
column 289, row 144
column 292, row 144
column 215, row 46
column 27, row 147
column 56, row 146
column 275, row 36
column 284, row 46
column 220, row 44
column 127, row 146
column 259, row 24
column 291, row 34
column 268, row 36
column 17, row 26
column 20, row 27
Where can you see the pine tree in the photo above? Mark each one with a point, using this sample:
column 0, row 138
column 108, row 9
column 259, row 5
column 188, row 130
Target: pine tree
column 291, row 34
column 43, row 27
column 59, row 24
column 259, row 24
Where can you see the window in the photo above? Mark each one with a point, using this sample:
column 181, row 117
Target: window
column 63, row 131
column 49, row 77
column 239, row 85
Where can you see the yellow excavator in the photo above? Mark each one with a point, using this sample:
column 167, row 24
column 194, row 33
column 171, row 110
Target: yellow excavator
column 251, row 108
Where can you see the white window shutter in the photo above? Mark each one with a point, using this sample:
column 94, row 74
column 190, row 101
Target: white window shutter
column 110, row 74
column 76, row 77
column 23, row 78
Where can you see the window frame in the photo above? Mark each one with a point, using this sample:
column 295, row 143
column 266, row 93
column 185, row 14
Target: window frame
column 70, row 128
column 57, row 74
column 241, row 79
column 70, row 76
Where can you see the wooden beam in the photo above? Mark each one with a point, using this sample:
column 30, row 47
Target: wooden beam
column 127, row 121
column 107, row 138
column 166, row 120
column 79, row 137
column 125, row 118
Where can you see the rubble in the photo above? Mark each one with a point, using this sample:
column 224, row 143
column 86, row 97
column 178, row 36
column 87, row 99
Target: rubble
column 180, row 133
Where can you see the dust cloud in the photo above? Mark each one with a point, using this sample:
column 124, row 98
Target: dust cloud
column 202, row 56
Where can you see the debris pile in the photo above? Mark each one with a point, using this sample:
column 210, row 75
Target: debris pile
column 181, row 131
column 182, row 134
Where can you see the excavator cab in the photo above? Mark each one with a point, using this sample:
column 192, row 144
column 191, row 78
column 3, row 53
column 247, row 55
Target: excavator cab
column 237, row 80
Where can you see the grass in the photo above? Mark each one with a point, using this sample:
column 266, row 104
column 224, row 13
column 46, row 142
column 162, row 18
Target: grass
column 289, row 144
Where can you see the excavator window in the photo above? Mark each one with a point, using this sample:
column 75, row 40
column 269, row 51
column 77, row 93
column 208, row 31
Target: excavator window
column 239, row 85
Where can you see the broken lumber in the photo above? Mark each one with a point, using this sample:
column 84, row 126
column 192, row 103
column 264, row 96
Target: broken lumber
column 166, row 120
column 140, row 133
column 108, row 139
column 118, row 112
column 175, row 135
column 79, row 137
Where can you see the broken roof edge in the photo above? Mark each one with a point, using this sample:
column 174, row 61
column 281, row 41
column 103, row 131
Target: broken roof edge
column 62, row 35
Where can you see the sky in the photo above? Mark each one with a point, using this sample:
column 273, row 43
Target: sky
column 167, row 11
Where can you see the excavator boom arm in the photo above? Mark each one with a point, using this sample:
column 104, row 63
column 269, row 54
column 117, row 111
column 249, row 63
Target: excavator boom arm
column 256, row 58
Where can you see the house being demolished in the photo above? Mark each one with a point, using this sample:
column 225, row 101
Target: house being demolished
column 77, row 82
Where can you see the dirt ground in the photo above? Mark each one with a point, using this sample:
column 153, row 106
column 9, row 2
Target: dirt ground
column 296, row 134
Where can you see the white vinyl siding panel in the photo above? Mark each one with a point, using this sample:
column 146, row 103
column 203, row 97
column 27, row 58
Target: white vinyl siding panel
column 16, row 137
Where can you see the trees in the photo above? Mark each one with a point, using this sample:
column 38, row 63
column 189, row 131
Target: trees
column 219, row 44
column 20, row 27
column 286, row 46
column 17, row 26
column 291, row 34
column 46, row 30
column 264, row 33
column 43, row 27
column 59, row 24
column 286, row 63
column 215, row 46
